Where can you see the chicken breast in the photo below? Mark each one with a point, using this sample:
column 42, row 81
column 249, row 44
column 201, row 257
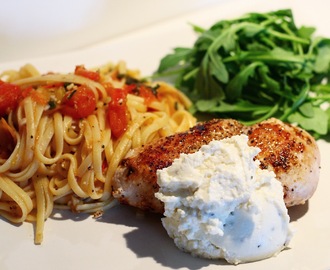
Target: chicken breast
column 290, row 152
column 135, row 181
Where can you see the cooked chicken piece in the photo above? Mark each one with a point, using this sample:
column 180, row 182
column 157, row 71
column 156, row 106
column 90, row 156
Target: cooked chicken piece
column 292, row 154
column 289, row 151
column 135, row 181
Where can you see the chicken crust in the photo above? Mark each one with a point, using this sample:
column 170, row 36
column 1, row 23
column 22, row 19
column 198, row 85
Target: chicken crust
column 290, row 152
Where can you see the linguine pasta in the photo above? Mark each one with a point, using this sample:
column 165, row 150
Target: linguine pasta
column 50, row 158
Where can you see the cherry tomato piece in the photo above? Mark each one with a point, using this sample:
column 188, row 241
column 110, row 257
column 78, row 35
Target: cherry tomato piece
column 117, row 111
column 79, row 103
column 143, row 91
column 10, row 95
column 82, row 71
column 36, row 96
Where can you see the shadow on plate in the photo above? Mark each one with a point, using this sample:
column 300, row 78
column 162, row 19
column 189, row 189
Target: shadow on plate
column 298, row 211
column 68, row 215
column 149, row 239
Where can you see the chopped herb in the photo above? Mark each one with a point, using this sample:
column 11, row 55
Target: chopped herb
column 154, row 89
column 71, row 94
column 176, row 105
column 255, row 67
column 130, row 80
column 52, row 104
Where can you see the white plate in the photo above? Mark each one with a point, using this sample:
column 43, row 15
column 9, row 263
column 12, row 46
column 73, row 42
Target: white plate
column 125, row 239
column 38, row 28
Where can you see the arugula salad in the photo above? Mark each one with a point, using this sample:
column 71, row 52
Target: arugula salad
column 258, row 66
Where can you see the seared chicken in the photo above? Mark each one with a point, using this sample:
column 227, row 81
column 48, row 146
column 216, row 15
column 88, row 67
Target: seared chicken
column 289, row 151
column 135, row 181
column 292, row 154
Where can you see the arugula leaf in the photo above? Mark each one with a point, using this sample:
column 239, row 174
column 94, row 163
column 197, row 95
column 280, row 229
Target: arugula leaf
column 322, row 60
column 306, row 32
column 270, row 84
column 235, row 86
column 255, row 66
column 218, row 68
column 317, row 123
column 307, row 110
column 173, row 59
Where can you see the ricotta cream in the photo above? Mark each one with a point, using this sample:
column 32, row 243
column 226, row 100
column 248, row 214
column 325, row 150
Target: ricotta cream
column 219, row 204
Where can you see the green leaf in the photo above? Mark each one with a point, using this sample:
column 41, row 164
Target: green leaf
column 322, row 62
column 282, row 56
column 235, row 86
column 202, row 84
column 197, row 28
column 217, row 68
column 318, row 123
column 216, row 89
column 306, row 32
column 252, row 29
column 219, row 106
column 171, row 60
column 206, row 105
column 271, row 84
column 226, row 40
column 307, row 110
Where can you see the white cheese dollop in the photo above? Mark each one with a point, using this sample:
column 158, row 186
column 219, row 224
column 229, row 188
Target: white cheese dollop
column 220, row 204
